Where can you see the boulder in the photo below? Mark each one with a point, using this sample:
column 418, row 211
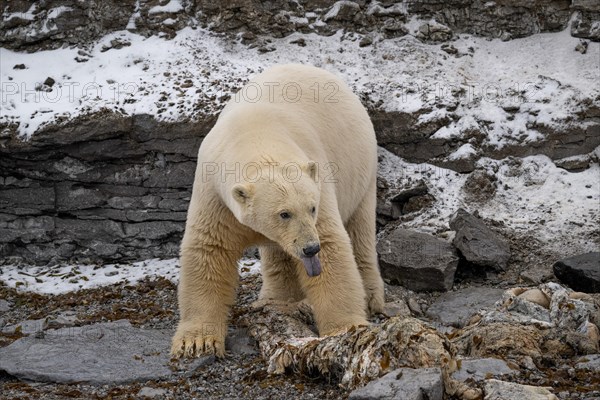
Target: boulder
column 5, row 305
column 499, row 390
column 417, row 261
column 456, row 308
column 478, row 243
column 479, row 369
column 104, row 353
column 581, row 272
column 404, row 384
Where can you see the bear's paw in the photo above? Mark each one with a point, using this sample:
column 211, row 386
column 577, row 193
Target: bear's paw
column 198, row 339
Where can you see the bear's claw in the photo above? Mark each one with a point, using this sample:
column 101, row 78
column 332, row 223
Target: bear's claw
column 192, row 344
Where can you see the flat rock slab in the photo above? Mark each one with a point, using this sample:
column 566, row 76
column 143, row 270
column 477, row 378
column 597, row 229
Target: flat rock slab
column 499, row 390
column 27, row 327
column 590, row 362
column 112, row 352
column 404, row 384
column 5, row 305
column 456, row 308
column 478, row 243
column 417, row 261
column 581, row 272
column 480, row 369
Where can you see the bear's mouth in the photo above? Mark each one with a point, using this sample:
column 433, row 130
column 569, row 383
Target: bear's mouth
column 312, row 265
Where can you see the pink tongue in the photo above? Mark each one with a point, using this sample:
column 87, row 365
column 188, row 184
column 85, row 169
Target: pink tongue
column 312, row 265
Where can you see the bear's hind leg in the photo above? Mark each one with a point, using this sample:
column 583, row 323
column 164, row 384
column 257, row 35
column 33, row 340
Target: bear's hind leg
column 280, row 281
column 361, row 228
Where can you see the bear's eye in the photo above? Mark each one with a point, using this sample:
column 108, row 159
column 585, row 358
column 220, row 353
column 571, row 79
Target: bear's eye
column 313, row 210
column 285, row 215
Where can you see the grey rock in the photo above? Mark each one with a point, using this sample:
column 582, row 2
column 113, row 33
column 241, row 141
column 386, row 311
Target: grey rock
column 479, row 369
column 365, row 41
column 149, row 392
column 581, row 272
column 174, row 204
column 41, row 198
column 239, row 342
column 536, row 274
column 575, row 163
column 396, row 308
column 107, row 231
column 112, row 352
column 400, row 200
column 499, row 390
column 478, row 243
column 456, row 308
column 27, row 229
column 45, row 27
column 121, row 202
column 173, row 176
column 434, row 32
column 144, row 215
column 104, row 250
column 480, row 186
column 582, row 25
column 63, row 319
column 591, row 362
column 5, row 305
column 414, row 306
column 417, row 261
column 27, row 327
column 154, row 229
column 70, row 196
column 343, row 10
column 404, row 384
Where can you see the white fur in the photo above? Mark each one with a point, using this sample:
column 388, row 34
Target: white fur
column 308, row 121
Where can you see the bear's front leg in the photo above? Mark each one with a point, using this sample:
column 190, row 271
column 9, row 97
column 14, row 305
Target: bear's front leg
column 206, row 292
column 337, row 295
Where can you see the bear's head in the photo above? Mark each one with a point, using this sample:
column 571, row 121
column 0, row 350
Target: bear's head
column 282, row 204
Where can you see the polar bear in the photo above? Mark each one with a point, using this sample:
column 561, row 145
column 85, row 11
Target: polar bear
column 290, row 166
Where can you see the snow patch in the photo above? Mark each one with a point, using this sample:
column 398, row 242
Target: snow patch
column 57, row 11
column 172, row 6
column 131, row 24
column 530, row 191
column 68, row 278
column 494, row 88
column 28, row 15
column 464, row 151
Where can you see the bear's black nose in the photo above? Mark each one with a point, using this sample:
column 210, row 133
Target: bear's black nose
column 311, row 250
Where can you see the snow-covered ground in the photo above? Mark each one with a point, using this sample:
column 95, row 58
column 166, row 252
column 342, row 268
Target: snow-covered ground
column 560, row 208
column 498, row 88
column 68, row 278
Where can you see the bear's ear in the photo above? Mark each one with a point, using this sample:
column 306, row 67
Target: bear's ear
column 242, row 193
column 312, row 170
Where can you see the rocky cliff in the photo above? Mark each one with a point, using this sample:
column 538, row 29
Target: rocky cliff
column 105, row 187
column 30, row 26
column 106, row 178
